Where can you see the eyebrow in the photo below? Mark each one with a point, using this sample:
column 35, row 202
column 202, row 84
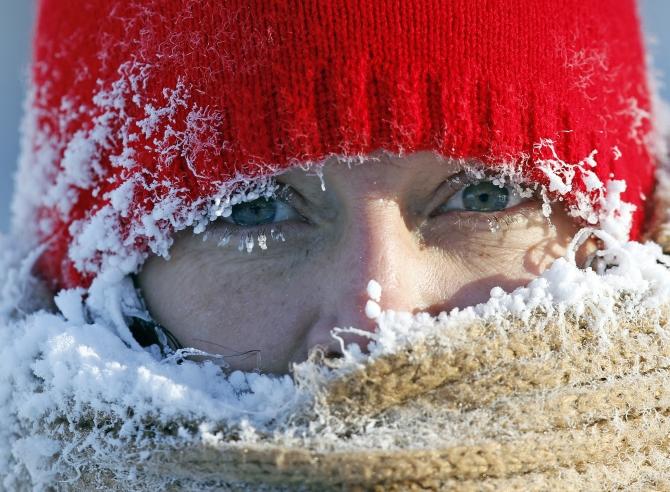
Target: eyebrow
column 307, row 191
column 311, row 189
column 447, row 180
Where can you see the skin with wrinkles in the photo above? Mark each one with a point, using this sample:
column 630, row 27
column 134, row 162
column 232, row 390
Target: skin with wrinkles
column 384, row 220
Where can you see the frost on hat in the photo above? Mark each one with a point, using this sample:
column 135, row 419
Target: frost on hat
column 147, row 117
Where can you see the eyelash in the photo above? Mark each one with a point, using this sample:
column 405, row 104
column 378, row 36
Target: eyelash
column 493, row 218
column 248, row 236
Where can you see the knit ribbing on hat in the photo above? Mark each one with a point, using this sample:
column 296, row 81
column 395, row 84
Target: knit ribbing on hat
column 144, row 116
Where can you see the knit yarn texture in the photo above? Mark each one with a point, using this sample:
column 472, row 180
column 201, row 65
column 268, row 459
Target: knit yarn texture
column 144, row 115
column 527, row 410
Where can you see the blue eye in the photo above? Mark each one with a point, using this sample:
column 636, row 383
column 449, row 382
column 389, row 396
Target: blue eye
column 261, row 211
column 484, row 196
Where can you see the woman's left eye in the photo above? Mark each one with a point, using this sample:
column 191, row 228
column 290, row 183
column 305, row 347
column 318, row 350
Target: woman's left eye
column 484, row 196
column 261, row 211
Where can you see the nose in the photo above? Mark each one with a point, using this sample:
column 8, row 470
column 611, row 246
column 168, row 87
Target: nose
column 376, row 244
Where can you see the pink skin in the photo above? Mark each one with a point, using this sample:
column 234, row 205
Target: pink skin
column 373, row 221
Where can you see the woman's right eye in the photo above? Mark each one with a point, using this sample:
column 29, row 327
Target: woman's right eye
column 261, row 211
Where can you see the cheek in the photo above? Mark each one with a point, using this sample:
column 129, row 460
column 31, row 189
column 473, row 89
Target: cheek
column 229, row 303
column 473, row 264
column 521, row 248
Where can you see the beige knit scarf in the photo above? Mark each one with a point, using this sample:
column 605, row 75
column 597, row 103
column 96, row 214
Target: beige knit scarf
column 552, row 402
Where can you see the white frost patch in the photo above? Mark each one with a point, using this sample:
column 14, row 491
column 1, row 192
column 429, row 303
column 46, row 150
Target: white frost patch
column 615, row 214
column 638, row 116
column 374, row 290
column 599, row 203
column 372, row 309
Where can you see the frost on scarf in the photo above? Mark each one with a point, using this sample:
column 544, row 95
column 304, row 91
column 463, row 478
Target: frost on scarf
column 81, row 401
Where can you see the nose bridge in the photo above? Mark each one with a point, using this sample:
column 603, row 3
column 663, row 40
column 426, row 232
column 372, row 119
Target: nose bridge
column 379, row 245
column 376, row 244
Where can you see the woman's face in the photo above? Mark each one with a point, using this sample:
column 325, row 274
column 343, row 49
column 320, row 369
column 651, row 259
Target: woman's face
column 429, row 235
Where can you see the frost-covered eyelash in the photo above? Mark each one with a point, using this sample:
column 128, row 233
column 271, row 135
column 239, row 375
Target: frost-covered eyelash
column 247, row 237
column 247, row 240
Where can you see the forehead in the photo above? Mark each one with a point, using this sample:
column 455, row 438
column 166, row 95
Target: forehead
column 378, row 168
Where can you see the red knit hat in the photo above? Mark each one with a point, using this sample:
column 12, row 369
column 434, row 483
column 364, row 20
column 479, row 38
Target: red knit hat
column 146, row 114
